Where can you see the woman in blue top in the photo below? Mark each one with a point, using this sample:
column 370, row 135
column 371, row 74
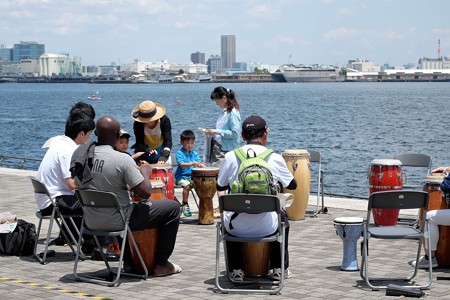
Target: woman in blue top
column 227, row 134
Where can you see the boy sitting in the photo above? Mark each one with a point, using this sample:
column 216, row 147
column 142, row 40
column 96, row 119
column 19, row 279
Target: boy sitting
column 187, row 159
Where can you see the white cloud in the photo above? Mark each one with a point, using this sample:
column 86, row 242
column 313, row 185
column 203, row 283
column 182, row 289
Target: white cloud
column 339, row 34
column 343, row 12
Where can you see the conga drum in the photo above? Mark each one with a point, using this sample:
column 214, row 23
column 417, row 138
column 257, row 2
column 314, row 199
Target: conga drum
column 146, row 241
column 164, row 173
column 205, row 185
column 298, row 163
column 436, row 202
column 158, row 192
column 256, row 257
column 384, row 175
column 349, row 229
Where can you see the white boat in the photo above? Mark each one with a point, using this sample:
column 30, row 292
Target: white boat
column 200, row 78
column 94, row 97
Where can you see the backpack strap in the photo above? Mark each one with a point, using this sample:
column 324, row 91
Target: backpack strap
column 240, row 154
column 265, row 154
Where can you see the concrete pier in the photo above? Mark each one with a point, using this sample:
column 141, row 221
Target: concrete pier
column 314, row 247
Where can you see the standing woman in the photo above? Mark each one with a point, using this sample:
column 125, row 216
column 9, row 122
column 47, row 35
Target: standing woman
column 227, row 134
column 153, row 132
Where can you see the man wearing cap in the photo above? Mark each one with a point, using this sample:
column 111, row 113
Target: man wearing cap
column 153, row 132
column 255, row 132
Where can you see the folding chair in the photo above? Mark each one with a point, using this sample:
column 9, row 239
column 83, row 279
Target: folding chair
column 316, row 157
column 251, row 204
column 40, row 188
column 415, row 168
column 395, row 199
column 100, row 203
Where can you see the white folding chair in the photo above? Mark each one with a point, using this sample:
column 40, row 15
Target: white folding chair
column 40, row 188
column 395, row 199
column 96, row 204
column 251, row 204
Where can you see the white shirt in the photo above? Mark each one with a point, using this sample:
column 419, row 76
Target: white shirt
column 54, row 169
column 253, row 225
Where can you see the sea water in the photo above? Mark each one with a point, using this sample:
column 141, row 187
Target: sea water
column 351, row 124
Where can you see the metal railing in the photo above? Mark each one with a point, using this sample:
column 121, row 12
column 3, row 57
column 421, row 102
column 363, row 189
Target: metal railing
column 28, row 163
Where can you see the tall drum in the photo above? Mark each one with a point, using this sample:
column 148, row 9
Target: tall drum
column 385, row 174
column 349, row 229
column 298, row 163
column 436, row 202
column 163, row 172
column 205, row 184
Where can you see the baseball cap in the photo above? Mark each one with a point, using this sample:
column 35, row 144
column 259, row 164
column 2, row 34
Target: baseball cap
column 254, row 124
column 123, row 134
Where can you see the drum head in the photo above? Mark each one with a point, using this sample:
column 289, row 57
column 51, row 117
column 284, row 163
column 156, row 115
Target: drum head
column 295, row 152
column 161, row 166
column 157, row 184
column 207, row 172
column 349, row 220
column 386, row 162
column 435, row 178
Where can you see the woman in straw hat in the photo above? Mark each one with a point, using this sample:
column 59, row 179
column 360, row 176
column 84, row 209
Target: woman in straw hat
column 153, row 132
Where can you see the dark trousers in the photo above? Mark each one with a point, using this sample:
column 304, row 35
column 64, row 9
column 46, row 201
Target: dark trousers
column 235, row 257
column 161, row 214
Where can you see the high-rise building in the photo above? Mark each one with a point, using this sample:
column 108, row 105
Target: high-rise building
column 214, row 64
column 228, row 50
column 27, row 50
column 198, row 58
column 6, row 53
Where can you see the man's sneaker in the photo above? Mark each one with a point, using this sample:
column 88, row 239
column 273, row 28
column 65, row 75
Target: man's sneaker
column 276, row 274
column 186, row 210
column 237, row 275
column 424, row 263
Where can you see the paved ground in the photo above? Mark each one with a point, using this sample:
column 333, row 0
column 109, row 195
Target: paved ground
column 315, row 250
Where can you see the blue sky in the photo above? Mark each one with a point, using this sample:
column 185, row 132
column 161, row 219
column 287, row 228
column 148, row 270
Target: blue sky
column 271, row 32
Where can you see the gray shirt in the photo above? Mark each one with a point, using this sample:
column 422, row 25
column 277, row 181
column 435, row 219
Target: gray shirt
column 116, row 172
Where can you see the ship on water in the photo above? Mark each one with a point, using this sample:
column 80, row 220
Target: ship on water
column 315, row 73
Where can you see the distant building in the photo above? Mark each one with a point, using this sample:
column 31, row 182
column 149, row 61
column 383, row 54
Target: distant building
column 239, row 66
column 198, row 58
column 434, row 63
column 6, row 53
column 214, row 64
column 363, row 65
column 29, row 67
column 228, row 51
column 54, row 64
column 27, row 50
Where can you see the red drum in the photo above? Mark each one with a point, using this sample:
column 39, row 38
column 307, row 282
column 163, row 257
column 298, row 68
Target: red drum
column 146, row 241
column 384, row 175
column 163, row 172
column 436, row 202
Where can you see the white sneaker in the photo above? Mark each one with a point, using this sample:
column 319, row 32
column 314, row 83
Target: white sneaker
column 237, row 275
column 276, row 274
column 424, row 263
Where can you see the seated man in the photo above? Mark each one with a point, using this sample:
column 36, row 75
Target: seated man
column 114, row 171
column 254, row 132
column 54, row 168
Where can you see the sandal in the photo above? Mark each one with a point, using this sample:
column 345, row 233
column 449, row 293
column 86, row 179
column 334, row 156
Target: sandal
column 237, row 275
column 176, row 270
column 216, row 213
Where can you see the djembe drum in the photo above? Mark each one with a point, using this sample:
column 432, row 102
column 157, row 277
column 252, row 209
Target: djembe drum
column 349, row 230
column 256, row 257
column 298, row 164
column 205, row 182
column 384, row 175
column 436, row 202
column 146, row 241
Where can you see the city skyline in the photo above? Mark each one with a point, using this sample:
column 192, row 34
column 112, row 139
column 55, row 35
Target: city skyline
column 396, row 32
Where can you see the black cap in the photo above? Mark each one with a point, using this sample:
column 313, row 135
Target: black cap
column 254, row 124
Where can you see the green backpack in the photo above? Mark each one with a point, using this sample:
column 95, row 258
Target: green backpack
column 254, row 175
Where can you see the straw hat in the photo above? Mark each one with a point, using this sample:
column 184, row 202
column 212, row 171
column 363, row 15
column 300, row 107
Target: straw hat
column 148, row 111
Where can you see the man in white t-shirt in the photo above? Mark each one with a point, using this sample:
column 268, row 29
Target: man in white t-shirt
column 254, row 132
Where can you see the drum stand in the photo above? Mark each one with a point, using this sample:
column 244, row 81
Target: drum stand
column 320, row 197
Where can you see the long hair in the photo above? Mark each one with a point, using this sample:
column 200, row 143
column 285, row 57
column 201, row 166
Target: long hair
column 220, row 91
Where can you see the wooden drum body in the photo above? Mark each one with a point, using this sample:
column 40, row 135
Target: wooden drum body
column 432, row 186
column 298, row 163
column 384, row 175
column 205, row 185
column 164, row 173
column 158, row 192
column 256, row 257
column 146, row 241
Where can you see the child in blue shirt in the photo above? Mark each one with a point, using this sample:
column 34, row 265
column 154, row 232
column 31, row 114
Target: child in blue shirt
column 187, row 159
